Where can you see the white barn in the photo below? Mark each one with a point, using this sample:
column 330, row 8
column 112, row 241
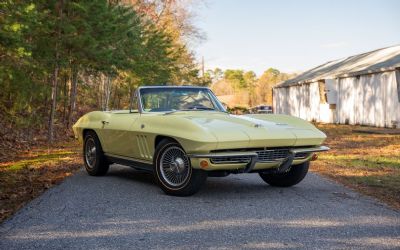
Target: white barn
column 362, row 89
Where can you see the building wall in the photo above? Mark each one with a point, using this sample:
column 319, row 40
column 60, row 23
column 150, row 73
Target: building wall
column 367, row 100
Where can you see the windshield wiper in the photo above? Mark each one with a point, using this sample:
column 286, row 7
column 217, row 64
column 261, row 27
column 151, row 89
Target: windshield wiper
column 170, row 112
column 201, row 108
column 193, row 109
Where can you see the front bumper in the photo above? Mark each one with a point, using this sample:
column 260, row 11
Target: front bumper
column 247, row 161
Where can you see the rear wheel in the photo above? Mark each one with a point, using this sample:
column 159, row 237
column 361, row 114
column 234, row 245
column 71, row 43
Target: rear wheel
column 174, row 172
column 95, row 162
column 289, row 178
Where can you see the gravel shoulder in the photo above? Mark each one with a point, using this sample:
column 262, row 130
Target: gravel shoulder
column 125, row 209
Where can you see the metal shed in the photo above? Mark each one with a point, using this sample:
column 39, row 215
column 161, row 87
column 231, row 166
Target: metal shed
column 362, row 89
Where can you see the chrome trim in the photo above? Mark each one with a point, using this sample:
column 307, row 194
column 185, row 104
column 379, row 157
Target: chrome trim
column 212, row 160
column 287, row 163
column 299, row 157
column 220, row 107
column 272, row 155
column 171, row 86
column 249, row 167
column 139, row 98
column 310, row 150
column 224, row 154
column 253, row 155
column 272, row 161
column 134, row 94
column 128, row 158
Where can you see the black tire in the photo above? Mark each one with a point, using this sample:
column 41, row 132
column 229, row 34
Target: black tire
column 96, row 163
column 167, row 167
column 290, row 178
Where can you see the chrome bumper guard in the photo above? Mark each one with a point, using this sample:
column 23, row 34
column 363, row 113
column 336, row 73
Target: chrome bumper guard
column 284, row 165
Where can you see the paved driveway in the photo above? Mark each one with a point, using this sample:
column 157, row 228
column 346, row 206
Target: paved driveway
column 126, row 209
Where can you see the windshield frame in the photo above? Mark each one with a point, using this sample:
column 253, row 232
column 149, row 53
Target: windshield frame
column 217, row 104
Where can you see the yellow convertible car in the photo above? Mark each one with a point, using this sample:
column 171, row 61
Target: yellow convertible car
column 182, row 134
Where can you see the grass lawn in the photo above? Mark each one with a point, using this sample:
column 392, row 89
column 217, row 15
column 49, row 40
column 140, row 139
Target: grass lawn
column 368, row 163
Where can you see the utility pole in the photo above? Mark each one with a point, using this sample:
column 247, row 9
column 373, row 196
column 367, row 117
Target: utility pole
column 202, row 66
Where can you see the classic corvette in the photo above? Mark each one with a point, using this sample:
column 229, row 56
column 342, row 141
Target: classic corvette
column 183, row 134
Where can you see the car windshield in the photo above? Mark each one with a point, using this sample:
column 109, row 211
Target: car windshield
column 169, row 99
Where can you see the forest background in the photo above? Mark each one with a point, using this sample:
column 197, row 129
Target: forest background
column 60, row 59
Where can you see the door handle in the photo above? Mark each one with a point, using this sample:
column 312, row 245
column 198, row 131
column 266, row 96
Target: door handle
column 105, row 122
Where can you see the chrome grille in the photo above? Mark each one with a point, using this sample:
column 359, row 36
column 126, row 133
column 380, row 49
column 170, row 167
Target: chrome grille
column 269, row 155
column 273, row 154
column 301, row 155
column 231, row 159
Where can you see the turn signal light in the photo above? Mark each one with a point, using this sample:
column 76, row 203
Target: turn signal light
column 314, row 157
column 203, row 164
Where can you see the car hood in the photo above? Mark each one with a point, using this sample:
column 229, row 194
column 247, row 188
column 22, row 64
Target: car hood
column 241, row 131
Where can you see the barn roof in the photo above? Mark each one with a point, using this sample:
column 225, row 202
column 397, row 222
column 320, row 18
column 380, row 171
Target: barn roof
column 379, row 60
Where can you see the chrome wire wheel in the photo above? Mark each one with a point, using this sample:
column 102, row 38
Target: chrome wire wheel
column 174, row 166
column 90, row 153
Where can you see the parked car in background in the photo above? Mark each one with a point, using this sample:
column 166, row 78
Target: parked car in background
column 261, row 109
column 183, row 135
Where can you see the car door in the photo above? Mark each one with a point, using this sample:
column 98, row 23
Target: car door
column 118, row 138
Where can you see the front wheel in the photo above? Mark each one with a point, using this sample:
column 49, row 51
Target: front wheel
column 95, row 162
column 174, row 172
column 289, row 178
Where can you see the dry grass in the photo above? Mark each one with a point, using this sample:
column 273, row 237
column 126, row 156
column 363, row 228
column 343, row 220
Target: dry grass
column 33, row 172
column 369, row 163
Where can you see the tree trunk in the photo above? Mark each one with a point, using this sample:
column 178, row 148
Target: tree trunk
column 46, row 98
column 65, row 98
column 50, row 135
column 100, row 91
column 114, row 100
column 107, row 90
column 72, row 97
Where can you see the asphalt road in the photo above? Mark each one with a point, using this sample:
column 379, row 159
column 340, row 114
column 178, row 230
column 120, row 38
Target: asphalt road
column 125, row 209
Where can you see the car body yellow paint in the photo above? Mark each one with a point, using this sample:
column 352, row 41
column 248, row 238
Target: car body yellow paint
column 132, row 135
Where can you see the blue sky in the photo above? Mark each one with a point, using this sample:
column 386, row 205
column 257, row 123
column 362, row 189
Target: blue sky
column 293, row 35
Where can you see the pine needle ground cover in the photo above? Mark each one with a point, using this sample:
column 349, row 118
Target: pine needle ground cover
column 32, row 172
column 368, row 163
